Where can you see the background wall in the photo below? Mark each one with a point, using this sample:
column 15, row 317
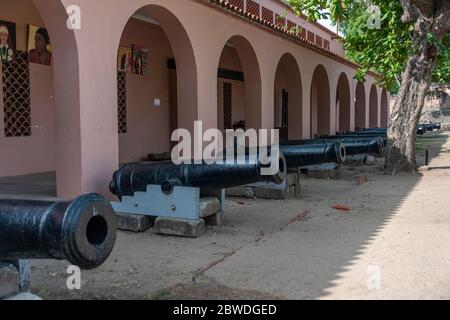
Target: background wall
column 148, row 126
column 36, row 153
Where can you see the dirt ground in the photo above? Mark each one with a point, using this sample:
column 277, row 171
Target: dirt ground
column 394, row 243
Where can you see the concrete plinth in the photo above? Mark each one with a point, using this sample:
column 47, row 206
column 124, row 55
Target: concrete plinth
column 179, row 227
column 322, row 171
column 15, row 277
column 215, row 220
column 241, row 192
column 361, row 160
column 9, row 280
column 356, row 160
column 133, row 222
column 290, row 189
column 209, row 206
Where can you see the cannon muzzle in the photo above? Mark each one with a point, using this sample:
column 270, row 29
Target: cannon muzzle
column 82, row 231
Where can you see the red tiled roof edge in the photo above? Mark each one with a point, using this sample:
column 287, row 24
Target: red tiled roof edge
column 269, row 26
column 316, row 24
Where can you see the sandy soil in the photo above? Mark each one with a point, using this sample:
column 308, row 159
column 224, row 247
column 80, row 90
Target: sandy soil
column 393, row 244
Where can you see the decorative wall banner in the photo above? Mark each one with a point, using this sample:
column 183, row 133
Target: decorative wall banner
column 125, row 60
column 16, row 97
column 7, row 41
column 140, row 60
column 39, row 47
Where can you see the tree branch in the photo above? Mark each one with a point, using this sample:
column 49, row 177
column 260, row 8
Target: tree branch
column 410, row 11
column 442, row 18
column 426, row 7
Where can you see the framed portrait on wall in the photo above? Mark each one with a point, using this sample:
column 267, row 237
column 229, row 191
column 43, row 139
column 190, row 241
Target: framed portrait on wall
column 140, row 60
column 125, row 60
column 39, row 46
column 7, row 41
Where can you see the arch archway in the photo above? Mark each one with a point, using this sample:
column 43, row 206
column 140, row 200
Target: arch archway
column 152, row 78
column 343, row 104
column 49, row 139
column 239, row 86
column 288, row 98
column 360, row 106
column 373, row 107
column 384, row 109
column 320, row 103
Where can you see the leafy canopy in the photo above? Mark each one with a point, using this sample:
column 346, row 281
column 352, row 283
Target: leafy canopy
column 384, row 50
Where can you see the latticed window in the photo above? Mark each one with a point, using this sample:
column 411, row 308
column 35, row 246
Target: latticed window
column 16, row 97
column 303, row 32
column 253, row 7
column 326, row 44
column 280, row 20
column 237, row 3
column 311, row 36
column 285, row 109
column 267, row 15
column 292, row 27
column 122, row 101
column 319, row 41
column 227, row 105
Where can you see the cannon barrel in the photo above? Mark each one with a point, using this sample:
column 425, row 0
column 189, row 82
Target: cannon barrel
column 82, row 231
column 312, row 154
column 357, row 136
column 352, row 146
column 224, row 174
column 372, row 146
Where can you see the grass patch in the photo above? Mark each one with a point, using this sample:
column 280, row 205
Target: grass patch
column 431, row 140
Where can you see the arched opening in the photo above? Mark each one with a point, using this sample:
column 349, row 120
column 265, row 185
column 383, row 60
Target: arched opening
column 239, row 86
column 155, row 70
column 360, row 106
column 288, row 98
column 27, row 104
column 343, row 104
column 320, row 103
column 384, row 109
column 373, row 107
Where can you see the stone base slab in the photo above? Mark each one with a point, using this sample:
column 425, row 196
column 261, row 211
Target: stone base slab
column 179, row 227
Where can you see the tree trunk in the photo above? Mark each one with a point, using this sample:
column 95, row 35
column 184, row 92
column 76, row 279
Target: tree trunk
column 416, row 80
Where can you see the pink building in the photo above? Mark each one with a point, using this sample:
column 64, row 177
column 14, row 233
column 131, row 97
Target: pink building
column 227, row 63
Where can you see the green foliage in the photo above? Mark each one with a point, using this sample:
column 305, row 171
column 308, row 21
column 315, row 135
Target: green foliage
column 385, row 50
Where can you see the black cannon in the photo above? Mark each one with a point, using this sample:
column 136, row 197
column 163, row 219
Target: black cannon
column 312, row 154
column 369, row 130
column 357, row 136
column 373, row 146
column 82, row 231
column 227, row 173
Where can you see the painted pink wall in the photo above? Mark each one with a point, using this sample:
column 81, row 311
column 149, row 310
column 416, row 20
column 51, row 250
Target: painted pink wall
column 85, row 76
column 148, row 126
column 35, row 154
